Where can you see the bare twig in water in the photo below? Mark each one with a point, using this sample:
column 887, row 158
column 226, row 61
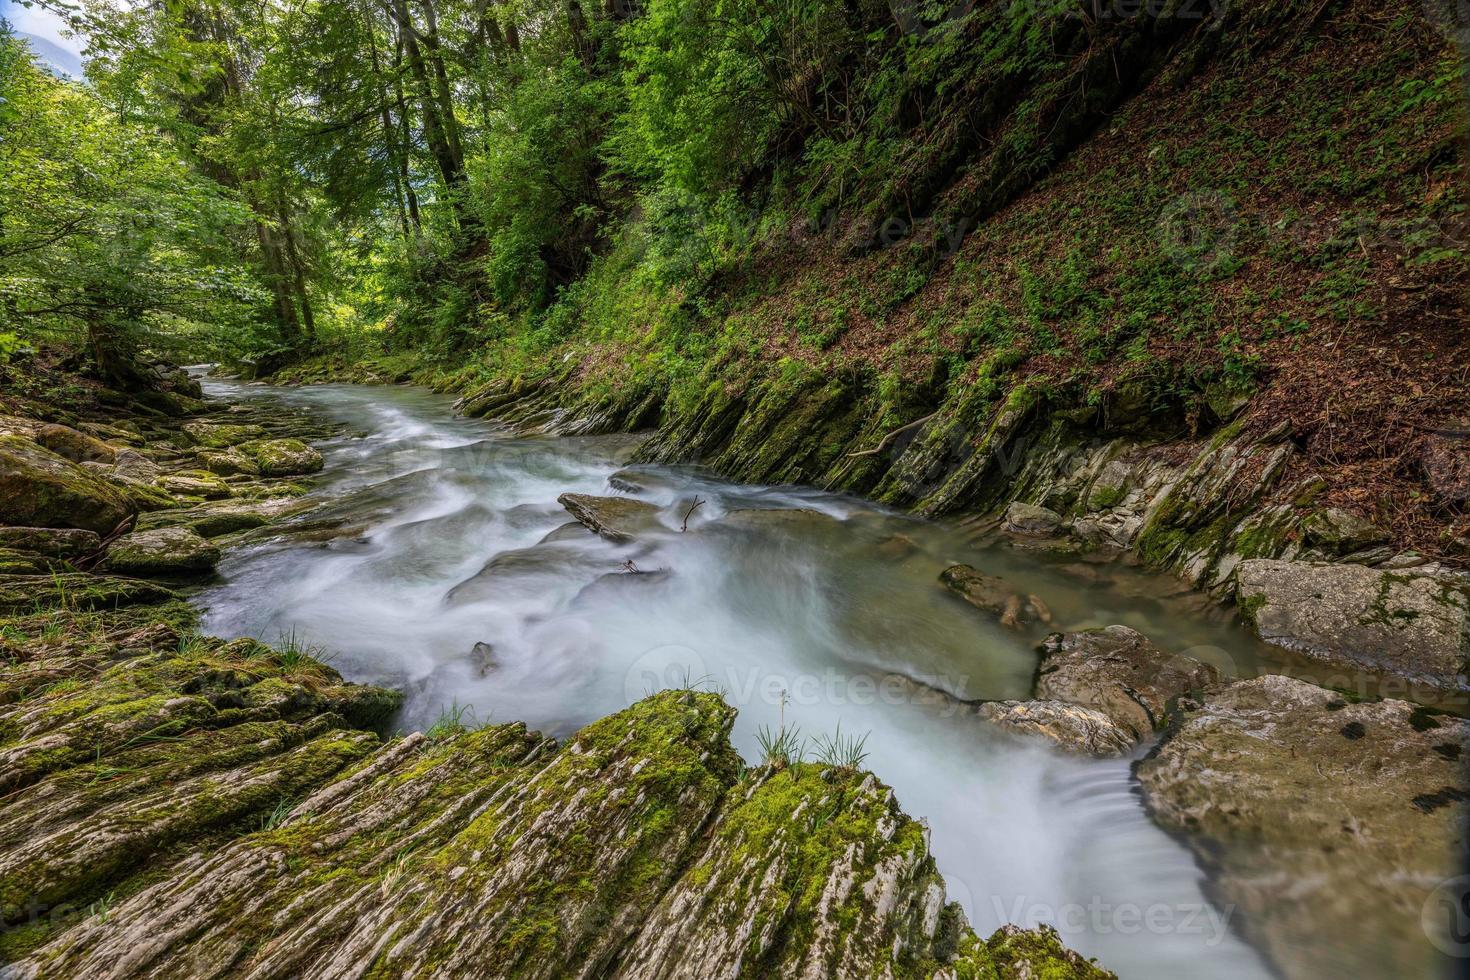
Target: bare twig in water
column 893, row 435
column 630, row 568
column 692, row 508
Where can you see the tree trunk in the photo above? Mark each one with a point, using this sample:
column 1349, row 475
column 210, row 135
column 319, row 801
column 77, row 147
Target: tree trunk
column 390, row 133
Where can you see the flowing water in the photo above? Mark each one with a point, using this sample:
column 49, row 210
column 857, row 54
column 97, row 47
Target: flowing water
column 797, row 605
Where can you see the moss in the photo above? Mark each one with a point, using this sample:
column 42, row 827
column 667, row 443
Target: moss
column 1105, row 497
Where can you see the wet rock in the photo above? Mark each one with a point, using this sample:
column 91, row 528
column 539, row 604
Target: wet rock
column 1399, row 623
column 51, row 542
column 619, row 585
column 41, row 489
column 775, row 518
column 482, row 658
column 285, row 457
column 996, row 596
column 1030, row 520
column 1071, row 727
column 615, row 518
column 162, row 551
column 1118, row 672
column 195, row 483
column 75, row 446
column 217, row 435
column 217, row 518
column 1328, row 823
column 228, row 462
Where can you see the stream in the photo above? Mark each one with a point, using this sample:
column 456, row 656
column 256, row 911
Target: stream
column 795, row 604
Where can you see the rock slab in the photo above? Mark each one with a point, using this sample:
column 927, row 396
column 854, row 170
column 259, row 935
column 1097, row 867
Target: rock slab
column 1311, row 810
column 1394, row 623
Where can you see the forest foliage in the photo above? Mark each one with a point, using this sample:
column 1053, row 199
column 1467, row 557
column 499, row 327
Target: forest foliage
column 483, row 181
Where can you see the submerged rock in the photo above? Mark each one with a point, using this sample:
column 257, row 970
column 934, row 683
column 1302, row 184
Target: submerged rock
column 615, row 518
column 1397, row 623
column 41, row 489
column 995, row 595
column 162, row 551
column 1328, row 823
column 285, row 457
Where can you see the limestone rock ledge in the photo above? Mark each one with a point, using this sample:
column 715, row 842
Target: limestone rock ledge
column 1321, row 818
column 178, row 806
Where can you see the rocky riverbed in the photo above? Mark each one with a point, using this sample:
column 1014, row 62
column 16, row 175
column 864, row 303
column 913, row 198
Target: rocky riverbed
column 179, row 805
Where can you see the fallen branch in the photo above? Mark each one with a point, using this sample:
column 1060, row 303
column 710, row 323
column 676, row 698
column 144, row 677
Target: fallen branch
column 692, row 508
column 883, row 444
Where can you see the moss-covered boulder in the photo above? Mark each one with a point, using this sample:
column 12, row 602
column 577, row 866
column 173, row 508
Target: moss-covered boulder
column 195, row 483
column 810, row 871
column 50, row 541
column 221, row 435
column 1412, row 627
column 228, row 462
column 1328, row 823
column 218, row 517
column 14, row 562
column 615, row 518
column 76, row 446
column 41, row 489
column 162, row 551
column 284, row 457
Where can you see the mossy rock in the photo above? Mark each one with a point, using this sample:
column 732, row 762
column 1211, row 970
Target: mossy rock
column 41, row 489
column 284, row 457
column 195, row 483
column 162, row 551
column 228, row 462
column 76, row 446
column 219, row 435
column 76, row 590
column 52, row 542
